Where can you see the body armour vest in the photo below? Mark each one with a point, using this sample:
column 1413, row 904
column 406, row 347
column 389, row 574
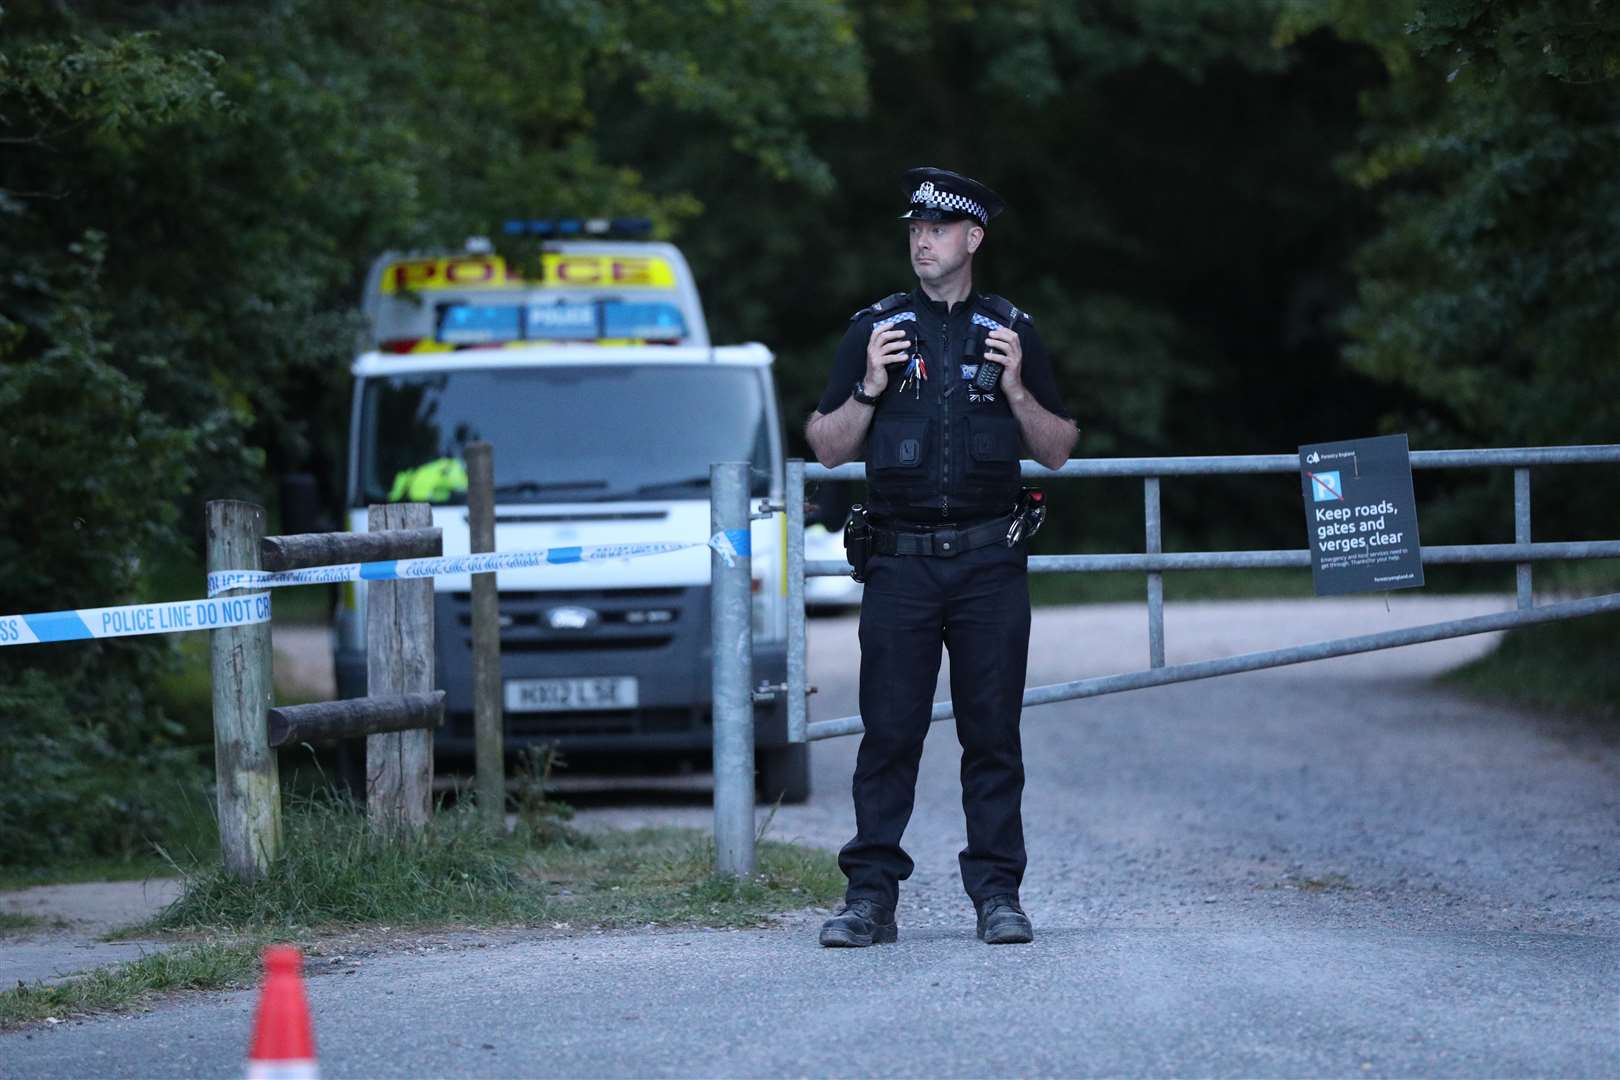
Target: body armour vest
column 942, row 450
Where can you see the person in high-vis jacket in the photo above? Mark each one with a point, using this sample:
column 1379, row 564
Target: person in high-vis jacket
column 435, row 482
column 941, row 390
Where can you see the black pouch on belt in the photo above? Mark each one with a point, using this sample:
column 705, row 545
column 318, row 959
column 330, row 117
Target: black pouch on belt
column 857, row 541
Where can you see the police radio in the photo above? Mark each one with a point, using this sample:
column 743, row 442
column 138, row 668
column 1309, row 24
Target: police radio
column 989, row 373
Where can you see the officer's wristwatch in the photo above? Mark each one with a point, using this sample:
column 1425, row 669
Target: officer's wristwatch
column 860, row 394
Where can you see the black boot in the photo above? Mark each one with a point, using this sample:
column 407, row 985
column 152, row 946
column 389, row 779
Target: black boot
column 1003, row 922
column 859, row 923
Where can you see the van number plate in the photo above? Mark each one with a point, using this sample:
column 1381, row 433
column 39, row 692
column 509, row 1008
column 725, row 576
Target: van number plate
column 569, row 695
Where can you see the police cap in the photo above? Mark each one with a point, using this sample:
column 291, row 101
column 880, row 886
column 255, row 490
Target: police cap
column 942, row 195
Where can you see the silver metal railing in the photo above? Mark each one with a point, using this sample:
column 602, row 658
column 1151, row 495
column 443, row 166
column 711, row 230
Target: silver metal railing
column 1154, row 561
column 732, row 575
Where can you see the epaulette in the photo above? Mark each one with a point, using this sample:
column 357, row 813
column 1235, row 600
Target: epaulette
column 1005, row 309
column 883, row 306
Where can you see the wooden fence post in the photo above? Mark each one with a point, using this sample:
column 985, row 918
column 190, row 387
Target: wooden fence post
column 488, row 718
column 399, row 660
column 246, row 775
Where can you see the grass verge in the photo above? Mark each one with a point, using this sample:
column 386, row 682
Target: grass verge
column 337, row 872
column 337, row 876
column 1562, row 665
column 202, row 966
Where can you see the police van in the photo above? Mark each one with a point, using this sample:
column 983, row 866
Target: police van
column 595, row 381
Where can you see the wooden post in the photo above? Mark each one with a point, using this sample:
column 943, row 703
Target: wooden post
column 399, row 660
column 488, row 718
column 248, row 782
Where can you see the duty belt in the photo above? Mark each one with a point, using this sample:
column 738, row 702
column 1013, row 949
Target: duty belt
column 944, row 543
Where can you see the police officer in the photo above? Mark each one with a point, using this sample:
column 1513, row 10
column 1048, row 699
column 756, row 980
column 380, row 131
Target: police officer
column 914, row 392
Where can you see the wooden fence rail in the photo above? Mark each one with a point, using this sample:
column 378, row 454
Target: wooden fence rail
column 329, row 721
column 397, row 717
column 303, row 550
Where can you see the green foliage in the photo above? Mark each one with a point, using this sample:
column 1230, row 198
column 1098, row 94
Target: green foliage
column 72, row 791
column 244, row 172
column 188, row 201
column 1489, row 294
column 1491, row 290
column 127, row 85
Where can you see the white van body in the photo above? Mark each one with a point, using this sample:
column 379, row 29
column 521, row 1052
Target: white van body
column 597, row 440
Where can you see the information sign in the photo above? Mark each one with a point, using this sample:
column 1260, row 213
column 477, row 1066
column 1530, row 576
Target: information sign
column 1361, row 515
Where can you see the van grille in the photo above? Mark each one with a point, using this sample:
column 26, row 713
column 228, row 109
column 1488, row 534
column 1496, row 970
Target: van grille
column 623, row 619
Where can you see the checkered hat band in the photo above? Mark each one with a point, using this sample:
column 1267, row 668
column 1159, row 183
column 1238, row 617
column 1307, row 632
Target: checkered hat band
column 904, row 316
column 934, row 198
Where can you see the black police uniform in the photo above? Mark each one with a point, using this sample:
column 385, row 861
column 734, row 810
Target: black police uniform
column 940, row 461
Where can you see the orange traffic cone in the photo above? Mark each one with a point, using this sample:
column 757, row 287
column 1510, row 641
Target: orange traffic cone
column 283, row 1045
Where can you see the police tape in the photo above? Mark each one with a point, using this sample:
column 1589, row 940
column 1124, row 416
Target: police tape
column 217, row 613
column 131, row 620
column 730, row 544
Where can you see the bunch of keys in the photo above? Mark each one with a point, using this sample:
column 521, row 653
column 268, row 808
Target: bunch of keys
column 916, row 368
column 916, row 372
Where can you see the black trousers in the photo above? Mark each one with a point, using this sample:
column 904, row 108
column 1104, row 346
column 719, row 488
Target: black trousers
column 976, row 605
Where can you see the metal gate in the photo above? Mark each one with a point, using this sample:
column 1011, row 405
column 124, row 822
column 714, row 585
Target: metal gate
column 1153, row 561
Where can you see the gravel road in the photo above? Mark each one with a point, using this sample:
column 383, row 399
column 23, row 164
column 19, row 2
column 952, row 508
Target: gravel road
column 1333, row 869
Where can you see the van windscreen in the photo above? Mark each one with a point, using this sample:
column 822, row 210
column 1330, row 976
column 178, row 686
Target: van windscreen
column 585, row 433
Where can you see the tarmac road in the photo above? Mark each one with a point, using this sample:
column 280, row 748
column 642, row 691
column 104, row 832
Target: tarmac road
column 1333, row 869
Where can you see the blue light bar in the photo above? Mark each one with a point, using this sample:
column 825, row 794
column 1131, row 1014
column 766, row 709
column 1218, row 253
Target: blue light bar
column 543, row 227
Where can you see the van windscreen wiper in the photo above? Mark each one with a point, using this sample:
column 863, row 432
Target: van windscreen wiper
column 535, row 487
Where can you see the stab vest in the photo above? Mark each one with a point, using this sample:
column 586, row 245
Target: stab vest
column 947, row 452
